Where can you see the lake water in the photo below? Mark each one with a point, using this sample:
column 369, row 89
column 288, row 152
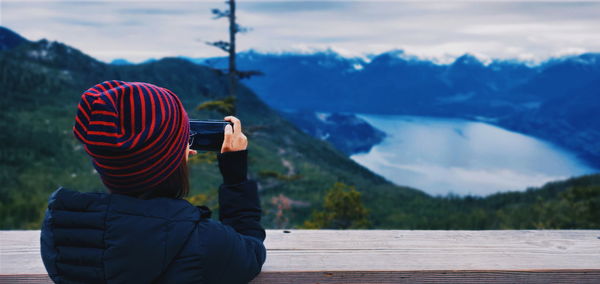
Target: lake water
column 440, row 156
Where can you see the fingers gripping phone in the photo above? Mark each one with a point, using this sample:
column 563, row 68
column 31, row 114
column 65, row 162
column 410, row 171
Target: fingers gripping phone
column 207, row 134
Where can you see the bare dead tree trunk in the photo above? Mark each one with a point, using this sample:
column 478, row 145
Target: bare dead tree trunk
column 232, row 31
column 233, row 74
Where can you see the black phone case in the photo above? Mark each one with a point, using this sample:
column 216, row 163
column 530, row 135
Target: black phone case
column 207, row 134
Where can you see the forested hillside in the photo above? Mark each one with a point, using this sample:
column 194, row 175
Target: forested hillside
column 41, row 83
column 41, row 86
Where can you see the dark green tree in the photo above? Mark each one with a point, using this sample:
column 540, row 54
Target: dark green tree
column 577, row 207
column 342, row 209
column 225, row 106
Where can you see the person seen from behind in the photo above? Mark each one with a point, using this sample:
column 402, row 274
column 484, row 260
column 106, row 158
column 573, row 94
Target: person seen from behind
column 141, row 230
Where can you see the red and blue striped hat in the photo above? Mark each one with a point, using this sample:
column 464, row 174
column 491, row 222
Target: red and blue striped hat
column 136, row 133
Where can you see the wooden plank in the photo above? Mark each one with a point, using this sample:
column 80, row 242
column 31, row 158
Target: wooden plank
column 542, row 277
column 511, row 277
column 20, row 252
column 382, row 256
column 396, row 250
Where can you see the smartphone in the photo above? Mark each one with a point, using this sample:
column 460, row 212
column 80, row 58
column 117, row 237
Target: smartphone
column 207, row 134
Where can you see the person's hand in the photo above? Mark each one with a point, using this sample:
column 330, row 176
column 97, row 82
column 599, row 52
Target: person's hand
column 189, row 152
column 234, row 139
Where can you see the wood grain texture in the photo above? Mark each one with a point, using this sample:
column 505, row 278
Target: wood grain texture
column 398, row 250
column 383, row 277
column 571, row 276
column 386, row 256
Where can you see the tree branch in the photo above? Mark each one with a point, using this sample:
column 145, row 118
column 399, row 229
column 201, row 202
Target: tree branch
column 220, row 13
column 241, row 29
column 249, row 73
column 223, row 45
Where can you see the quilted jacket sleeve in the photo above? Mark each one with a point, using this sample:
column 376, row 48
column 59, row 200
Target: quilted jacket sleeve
column 239, row 208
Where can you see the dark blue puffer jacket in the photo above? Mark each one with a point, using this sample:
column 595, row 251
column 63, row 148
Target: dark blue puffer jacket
column 112, row 238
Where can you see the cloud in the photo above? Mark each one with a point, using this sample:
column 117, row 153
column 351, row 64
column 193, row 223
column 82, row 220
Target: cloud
column 137, row 29
column 292, row 7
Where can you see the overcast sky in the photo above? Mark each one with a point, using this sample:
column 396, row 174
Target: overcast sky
column 138, row 30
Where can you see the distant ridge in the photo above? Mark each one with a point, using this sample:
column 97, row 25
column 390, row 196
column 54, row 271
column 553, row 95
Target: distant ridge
column 42, row 83
column 556, row 100
column 10, row 39
column 120, row 61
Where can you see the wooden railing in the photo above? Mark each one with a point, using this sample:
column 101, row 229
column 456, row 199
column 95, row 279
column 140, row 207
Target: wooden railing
column 386, row 256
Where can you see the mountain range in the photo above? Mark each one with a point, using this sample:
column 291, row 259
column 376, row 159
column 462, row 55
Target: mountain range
column 41, row 84
column 556, row 100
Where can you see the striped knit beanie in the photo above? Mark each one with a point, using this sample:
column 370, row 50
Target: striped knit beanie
column 136, row 133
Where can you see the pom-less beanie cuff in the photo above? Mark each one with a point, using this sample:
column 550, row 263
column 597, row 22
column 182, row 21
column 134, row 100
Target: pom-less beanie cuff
column 136, row 133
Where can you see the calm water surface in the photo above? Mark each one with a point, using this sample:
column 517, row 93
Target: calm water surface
column 440, row 156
